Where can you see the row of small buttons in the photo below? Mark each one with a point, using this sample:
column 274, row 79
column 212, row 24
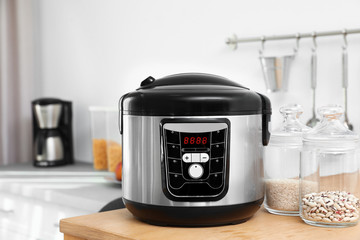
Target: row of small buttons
column 177, row 180
column 195, row 157
column 175, row 166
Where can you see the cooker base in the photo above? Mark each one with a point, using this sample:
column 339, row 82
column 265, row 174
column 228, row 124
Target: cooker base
column 193, row 216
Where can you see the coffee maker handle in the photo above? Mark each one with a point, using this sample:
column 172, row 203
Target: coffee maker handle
column 40, row 144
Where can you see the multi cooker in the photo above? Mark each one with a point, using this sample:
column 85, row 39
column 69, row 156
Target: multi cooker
column 193, row 150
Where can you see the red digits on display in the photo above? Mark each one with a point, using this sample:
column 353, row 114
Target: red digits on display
column 195, row 140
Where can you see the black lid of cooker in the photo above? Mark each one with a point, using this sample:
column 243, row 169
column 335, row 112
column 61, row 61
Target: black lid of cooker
column 193, row 94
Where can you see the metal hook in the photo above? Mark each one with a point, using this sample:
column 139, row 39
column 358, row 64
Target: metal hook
column 314, row 42
column 263, row 39
column 345, row 39
column 297, row 36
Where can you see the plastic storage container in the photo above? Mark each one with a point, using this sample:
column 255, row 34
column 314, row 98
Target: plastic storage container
column 114, row 145
column 282, row 163
column 106, row 140
column 329, row 173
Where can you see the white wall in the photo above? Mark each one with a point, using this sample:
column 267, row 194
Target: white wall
column 94, row 51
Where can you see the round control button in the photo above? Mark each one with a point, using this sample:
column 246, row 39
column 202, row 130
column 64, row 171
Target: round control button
column 196, row 171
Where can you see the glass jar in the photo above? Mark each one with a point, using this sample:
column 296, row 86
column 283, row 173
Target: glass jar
column 329, row 173
column 282, row 163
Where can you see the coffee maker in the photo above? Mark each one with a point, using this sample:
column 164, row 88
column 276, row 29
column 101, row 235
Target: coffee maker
column 52, row 132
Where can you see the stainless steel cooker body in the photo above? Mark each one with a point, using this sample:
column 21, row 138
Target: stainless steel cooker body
column 192, row 150
column 144, row 156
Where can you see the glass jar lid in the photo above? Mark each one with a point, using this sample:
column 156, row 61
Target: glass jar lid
column 331, row 130
column 291, row 130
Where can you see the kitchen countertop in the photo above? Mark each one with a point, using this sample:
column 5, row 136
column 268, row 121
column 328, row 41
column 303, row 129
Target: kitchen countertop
column 120, row 224
column 29, row 168
column 78, row 185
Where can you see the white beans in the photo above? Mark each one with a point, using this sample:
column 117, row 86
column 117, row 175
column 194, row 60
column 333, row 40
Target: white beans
column 331, row 207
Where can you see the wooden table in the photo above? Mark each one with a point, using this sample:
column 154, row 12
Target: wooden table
column 120, row 224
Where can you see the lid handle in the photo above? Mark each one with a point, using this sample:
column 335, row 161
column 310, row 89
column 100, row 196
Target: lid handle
column 120, row 116
column 149, row 80
column 266, row 118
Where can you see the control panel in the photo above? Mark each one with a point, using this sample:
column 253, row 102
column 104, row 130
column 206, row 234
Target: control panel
column 195, row 159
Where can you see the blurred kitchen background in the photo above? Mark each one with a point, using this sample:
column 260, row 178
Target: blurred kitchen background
column 91, row 52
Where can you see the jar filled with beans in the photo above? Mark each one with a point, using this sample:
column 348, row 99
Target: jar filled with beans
column 329, row 160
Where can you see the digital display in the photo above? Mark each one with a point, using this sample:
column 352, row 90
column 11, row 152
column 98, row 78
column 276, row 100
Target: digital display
column 195, row 140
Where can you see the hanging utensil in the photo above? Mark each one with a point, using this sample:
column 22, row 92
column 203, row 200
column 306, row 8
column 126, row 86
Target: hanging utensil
column 313, row 120
column 345, row 80
column 276, row 69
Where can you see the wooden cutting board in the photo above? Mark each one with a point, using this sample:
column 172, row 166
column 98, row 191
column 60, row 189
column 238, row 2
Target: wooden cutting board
column 120, row 224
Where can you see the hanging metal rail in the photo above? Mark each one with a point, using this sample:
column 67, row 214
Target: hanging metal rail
column 234, row 41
